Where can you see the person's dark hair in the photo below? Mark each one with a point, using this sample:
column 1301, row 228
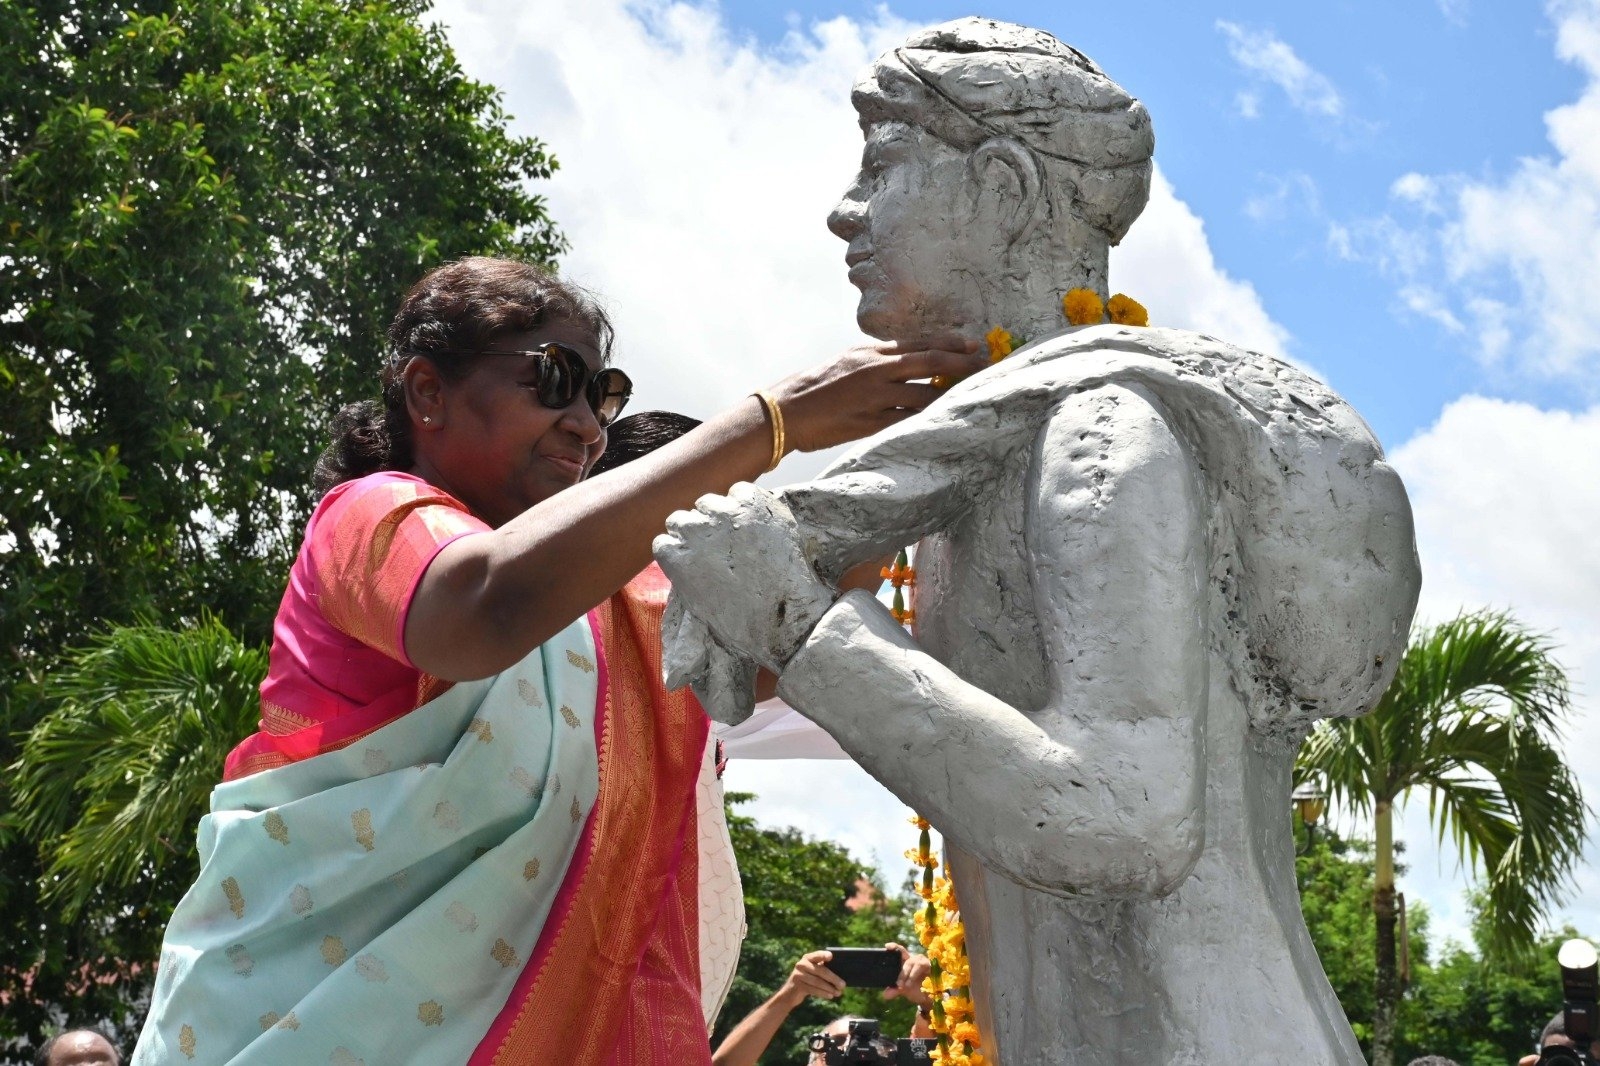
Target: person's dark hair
column 42, row 1056
column 458, row 308
column 1433, row 1060
column 638, row 435
column 1556, row 1026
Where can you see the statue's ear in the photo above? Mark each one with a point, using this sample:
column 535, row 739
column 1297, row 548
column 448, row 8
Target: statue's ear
column 1009, row 175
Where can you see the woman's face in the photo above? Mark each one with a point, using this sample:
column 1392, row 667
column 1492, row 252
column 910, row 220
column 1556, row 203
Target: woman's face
column 494, row 446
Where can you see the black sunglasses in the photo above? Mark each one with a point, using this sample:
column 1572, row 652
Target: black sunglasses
column 563, row 374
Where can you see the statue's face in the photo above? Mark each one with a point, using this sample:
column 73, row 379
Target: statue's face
column 916, row 235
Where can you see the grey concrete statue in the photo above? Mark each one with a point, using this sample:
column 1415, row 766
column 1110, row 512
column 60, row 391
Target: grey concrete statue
column 1149, row 561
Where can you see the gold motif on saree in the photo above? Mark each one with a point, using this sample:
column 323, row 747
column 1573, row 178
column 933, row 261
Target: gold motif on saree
column 361, row 822
column 530, row 869
column 186, row 1041
column 243, row 964
column 333, row 952
column 576, row 811
column 289, row 1021
column 343, row 1056
column 504, row 954
column 230, row 888
column 479, row 727
column 581, row 662
column 446, row 816
column 569, row 716
column 526, row 781
column 529, row 692
column 458, row 915
column 268, row 1020
column 555, row 786
column 300, row 900
column 371, row 968
column 276, row 827
column 430, row 1013
column 375, row 762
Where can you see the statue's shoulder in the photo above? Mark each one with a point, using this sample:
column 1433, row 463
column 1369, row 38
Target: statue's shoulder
column 1195, row 378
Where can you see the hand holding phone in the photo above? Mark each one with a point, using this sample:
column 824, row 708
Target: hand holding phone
column 866, row 967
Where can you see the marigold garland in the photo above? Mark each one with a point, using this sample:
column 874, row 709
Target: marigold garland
column 939, row 922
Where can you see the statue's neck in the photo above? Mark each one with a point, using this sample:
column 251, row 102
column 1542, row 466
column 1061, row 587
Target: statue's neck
column 1025, row 297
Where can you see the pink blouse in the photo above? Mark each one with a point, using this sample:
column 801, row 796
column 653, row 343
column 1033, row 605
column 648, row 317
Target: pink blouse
column 338, row 668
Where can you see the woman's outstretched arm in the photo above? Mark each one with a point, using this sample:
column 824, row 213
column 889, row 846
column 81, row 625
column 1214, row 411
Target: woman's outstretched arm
column 487, row 600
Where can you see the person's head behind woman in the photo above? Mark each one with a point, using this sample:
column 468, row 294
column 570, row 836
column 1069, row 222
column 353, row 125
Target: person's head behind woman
column 437, row 381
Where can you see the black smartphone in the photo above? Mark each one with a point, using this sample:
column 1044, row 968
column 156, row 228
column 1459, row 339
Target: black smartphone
column 866, row 967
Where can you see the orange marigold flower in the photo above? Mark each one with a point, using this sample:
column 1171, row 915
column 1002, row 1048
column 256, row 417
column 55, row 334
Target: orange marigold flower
column 965, row 1032
column 919, row 821
column 1083, row 307
column 1126, row 311
column 1001, row 343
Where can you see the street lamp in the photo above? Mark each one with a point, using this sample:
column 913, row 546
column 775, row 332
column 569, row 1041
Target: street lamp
column 1309, row 803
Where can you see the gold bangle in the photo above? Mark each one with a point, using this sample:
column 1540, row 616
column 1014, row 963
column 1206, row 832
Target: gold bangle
column 775, row 417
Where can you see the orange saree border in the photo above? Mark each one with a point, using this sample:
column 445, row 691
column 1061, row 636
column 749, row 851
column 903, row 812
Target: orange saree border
column 631, row 925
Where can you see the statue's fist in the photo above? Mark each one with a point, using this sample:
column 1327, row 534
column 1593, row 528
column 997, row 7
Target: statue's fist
column 736, row 563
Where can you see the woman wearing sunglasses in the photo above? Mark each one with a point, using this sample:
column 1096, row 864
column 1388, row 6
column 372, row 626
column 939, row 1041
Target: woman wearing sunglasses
column 467, row 829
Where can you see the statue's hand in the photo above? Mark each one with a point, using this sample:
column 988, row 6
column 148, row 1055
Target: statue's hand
column 724, row 682
column 735, row 561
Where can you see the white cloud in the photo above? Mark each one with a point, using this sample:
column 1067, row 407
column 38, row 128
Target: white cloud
column 1418, row 189
column 1520, row 251
column 1506, row 504
column 697, row 169
column 1424, row 301
column 1266, row 56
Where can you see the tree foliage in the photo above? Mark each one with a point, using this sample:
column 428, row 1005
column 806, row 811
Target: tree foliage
column 208, row 211
column 1462, row 1002
column 109, row 788
column 795, row 891
column 1473, row 719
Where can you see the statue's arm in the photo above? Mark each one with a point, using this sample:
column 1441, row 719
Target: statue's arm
column 913, row 479
column 1101, row 791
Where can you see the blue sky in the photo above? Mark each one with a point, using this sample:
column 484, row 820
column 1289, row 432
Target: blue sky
column 1403, row 196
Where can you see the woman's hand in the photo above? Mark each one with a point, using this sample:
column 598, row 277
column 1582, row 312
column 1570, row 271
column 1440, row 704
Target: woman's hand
column 868, row 388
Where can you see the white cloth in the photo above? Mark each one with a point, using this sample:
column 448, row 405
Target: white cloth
column 777, row 731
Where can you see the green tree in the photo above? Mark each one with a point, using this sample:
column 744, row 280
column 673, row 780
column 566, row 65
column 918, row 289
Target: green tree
column 1336, row 879
column 208, row 210
column 110, row 786
column 1479, row 1013
column 1472, row 719
column 796, row 891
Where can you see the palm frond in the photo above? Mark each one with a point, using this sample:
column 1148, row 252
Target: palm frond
column 1474, row 718
column 112, row 780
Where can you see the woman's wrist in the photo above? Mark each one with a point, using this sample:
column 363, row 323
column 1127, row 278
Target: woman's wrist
column 774, row 415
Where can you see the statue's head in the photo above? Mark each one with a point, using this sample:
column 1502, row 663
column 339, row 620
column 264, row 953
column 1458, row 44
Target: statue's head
column 992, row 151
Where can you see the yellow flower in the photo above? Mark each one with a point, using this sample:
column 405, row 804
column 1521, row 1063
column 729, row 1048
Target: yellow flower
column 965, row 1033
column 1083, row 307
column 1126, row 311
column 1001, row 343
column 919, row 821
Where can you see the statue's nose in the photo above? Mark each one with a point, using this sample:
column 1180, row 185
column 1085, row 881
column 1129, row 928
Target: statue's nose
column 848, row 218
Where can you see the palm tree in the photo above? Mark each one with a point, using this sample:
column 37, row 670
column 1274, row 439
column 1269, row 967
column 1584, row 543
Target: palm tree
column 1473, row 718
column 114, row 777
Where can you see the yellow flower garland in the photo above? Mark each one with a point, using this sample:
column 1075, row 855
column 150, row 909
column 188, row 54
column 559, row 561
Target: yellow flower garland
column 939, row 922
